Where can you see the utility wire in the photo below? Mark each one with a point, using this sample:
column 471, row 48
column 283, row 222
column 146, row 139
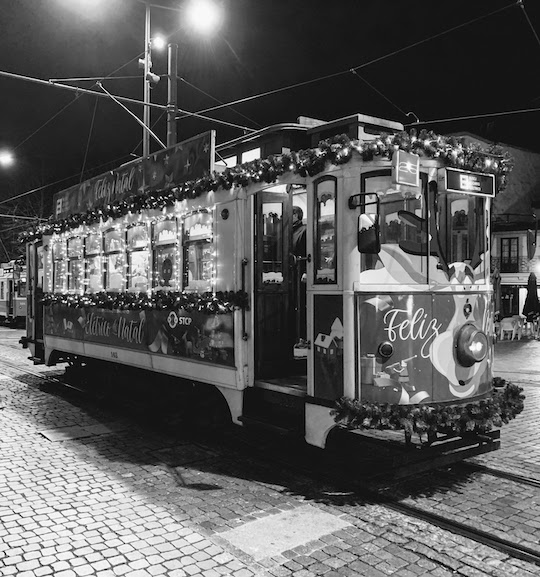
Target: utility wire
column 360, row 66
column 378, row 92
column 47, row 122
column 473, row 116
column 522, row 5
column 216, row 100
column 134, row 116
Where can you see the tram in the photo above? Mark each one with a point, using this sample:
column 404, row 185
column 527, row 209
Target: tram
column 290, row 268
column 13, row 293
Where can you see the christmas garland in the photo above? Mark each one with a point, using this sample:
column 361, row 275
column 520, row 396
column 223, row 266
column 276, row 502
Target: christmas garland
column 453, row 151
column 207, row 303
column 477, row 417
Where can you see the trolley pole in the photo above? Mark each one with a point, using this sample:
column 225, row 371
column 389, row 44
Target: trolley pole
column 172, row 95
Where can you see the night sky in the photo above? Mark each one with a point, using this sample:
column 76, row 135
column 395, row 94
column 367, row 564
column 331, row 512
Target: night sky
column 489, row 63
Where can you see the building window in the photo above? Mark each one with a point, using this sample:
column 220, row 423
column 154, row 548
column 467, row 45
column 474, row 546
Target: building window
column 509, row 255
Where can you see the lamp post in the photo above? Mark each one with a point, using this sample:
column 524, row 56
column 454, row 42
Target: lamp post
column 172, row 93
column 201, row 14
column 147, row 72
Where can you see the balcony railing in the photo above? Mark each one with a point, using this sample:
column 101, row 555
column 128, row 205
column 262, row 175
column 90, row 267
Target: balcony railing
column 522, row 264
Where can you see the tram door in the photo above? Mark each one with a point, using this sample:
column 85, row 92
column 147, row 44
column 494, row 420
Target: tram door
column 273, row 285
column 34, row 293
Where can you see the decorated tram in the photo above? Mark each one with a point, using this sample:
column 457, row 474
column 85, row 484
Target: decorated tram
column 13, row 293
column 187, row 263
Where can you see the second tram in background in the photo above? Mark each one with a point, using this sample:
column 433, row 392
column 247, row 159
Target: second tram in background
column 285, row 280
column 13, row 293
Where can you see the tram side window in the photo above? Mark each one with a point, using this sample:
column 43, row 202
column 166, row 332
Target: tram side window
column 198, row 249
column 94, row 262
column 138, row 257
column 165, row 262
column 272, row 239
column 59, row 254
column 75, row 266
column 325, row 231
column 40, row 267
column 2, row 290
column 115, row 260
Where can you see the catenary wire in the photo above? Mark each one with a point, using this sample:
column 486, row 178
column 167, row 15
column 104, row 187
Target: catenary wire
column 360, row 66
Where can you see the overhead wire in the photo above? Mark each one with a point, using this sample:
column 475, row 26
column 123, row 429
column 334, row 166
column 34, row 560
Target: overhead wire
column 360, row 66
column 473, row 116
column 353, row 71
column 217, row 100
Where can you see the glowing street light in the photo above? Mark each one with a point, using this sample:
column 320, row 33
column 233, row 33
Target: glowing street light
column 6, row 158
column 204, row 15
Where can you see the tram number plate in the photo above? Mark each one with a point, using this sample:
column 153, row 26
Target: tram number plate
column 114, row 354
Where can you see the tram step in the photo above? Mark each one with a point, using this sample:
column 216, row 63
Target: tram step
column 274, row 410
column 36, row 360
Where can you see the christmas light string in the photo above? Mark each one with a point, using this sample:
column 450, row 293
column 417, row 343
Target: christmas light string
column 452, row 151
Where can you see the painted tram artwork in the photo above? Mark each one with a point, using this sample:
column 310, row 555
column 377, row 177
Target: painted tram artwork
column 190, row 267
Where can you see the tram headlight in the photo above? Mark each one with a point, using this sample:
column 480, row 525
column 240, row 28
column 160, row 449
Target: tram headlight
column 386, row 349
column 471, row 345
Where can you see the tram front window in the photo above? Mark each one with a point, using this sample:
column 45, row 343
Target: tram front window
column 462, row 227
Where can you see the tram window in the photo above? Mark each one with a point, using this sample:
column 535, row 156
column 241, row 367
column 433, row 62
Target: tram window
column 250, row 155
column 462, row 225
column 165, row 268
column 75, row 268
column 138, row 257
column 199, row 251
column 40, row 269
column 115, row 260
column 325, row 231
column 95, row 276
column 139, row 269
column 93, row 244
column 272, row 231
column 2, row 290
column 114, row 271
column 94, row 262
column 59, row 254
column 165, row 262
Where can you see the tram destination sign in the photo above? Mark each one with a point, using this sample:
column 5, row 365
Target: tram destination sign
column 455, row 180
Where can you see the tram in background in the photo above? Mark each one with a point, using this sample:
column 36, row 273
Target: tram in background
column 13, row 293
column 184, row 265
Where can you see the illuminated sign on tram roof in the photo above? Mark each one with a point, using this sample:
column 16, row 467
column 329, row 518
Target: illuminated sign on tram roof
column 455, row 180
column 405, row 168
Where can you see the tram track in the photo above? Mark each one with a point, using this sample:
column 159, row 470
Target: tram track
column 346, row 488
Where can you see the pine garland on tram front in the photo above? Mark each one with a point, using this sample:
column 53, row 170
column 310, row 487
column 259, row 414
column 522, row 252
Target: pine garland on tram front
column 428, row 419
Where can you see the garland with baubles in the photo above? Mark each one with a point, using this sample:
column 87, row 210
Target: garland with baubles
column 453, row 151
column 209, row 303
column 480, row 416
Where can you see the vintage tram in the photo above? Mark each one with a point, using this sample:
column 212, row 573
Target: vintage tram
column 185, row 264
column 13, row 293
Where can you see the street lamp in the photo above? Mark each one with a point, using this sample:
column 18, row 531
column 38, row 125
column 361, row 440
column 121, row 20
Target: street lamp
column 203, row 16
column 6, row 158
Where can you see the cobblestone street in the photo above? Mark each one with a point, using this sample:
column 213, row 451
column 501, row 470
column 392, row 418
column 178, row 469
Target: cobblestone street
column 84, row 491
